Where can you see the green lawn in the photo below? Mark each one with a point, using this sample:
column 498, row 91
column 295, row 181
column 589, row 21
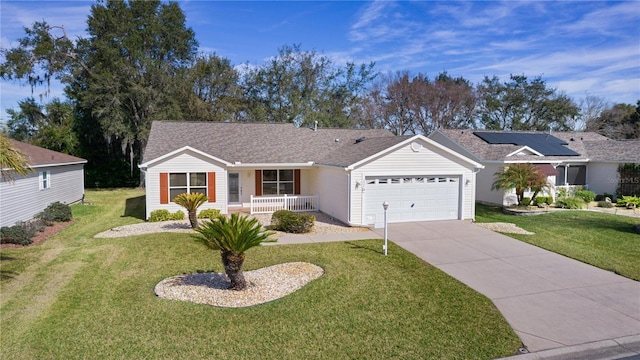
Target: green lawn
column 76, row 297
column 603, row 240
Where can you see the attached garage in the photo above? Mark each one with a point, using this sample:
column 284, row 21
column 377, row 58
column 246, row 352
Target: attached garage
column 421, row 181
column 412, row 198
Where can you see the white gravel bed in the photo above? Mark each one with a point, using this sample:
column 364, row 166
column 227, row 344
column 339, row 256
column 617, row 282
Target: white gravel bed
column 324, row 225
column 505, row 228
column 146, row 228
column 263, row 285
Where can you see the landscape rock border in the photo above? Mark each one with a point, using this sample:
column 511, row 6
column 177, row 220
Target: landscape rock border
column 263, row 285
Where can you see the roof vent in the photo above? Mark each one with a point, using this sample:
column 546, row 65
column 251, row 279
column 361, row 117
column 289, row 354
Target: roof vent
column 337, row 140
column 359, row 140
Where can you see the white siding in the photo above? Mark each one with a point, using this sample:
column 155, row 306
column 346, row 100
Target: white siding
column 332, row 186
column 484, row 181
column 186, row 161
column 405, row 162
column 602, row 177
column 23, row 199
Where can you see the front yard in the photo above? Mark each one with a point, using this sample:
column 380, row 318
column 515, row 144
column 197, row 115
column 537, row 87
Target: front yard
column 75, row 296
column 604, row 240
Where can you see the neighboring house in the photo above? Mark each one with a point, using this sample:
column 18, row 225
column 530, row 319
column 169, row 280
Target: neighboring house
column 569, row 159
column 55, row 177
column 345, row 173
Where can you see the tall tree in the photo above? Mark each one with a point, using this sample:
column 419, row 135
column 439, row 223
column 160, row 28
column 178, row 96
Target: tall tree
column 49, row 126
column 212, row 91
column 622, row 121
column 521, row 104
column 591, row 107
column 409, row 105
column 120, row 78
column 302, row 87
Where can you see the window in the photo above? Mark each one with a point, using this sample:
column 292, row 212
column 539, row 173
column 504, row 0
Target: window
column 575, row 175
column 277, row 182
column 45, row 180
column 187, row 183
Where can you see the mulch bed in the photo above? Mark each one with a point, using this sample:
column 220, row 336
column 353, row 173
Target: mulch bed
column 41, row 236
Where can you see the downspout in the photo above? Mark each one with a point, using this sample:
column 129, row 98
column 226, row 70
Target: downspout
column 349, row 197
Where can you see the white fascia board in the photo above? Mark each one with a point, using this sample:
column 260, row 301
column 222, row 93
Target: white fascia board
column 534, row 152
column 182, row 149
column 408, row 141
column 271, row 165
column 51, row 165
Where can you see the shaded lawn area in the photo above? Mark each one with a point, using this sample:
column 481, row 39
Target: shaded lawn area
column 79, row 297
column 603, row 240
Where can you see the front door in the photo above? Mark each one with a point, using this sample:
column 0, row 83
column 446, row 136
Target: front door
column 234, row 188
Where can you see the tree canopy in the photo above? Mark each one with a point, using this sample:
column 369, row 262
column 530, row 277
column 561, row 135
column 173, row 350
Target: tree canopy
column 139, row 62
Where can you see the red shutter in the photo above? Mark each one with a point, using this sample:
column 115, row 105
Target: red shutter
column 258, row 182
column 296, row 182
column 211, row 186
column 164, row 188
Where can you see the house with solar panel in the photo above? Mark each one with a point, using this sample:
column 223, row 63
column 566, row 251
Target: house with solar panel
column 569, row 159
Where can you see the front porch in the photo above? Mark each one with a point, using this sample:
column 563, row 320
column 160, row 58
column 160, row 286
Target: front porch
column 296, row 203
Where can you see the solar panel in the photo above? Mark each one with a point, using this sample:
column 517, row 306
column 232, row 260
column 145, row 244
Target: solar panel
column 546, row 144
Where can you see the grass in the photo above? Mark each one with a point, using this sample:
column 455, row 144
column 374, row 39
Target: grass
column 604, row 240
column 77, row 297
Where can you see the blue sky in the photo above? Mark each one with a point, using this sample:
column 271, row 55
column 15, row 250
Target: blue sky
column 584, row 47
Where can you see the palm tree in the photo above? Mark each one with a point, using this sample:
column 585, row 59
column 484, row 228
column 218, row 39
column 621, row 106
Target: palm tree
column 520, row 177
column 12, row 161
column 191, row 202
column 233, row 237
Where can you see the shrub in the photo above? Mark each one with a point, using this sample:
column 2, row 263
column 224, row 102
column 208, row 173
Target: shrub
column 570, row 203
column 586, row 195
column 178, row 215
column 20, row 233
column 604, row 204
column 209, row 214
column 629, row 201
column 165, row 215
column 160, row 215
column 56, row 211
column 539, row 200
column 288, row 221
column 526, row 201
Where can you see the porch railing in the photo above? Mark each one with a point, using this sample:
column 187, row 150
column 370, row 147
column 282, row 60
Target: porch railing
column 296, row 203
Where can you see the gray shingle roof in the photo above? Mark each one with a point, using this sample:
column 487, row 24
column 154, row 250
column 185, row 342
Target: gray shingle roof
column 41, row 157
column 613, row 150
column 589, row 145
column 261, row 143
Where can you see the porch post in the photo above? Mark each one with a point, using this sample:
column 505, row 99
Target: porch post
column 286, row 203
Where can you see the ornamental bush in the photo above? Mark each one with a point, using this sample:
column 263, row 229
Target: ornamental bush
column 570, row 203
column 21, row 233
column 628, row 201
column 586, row 195
column 291, row 222
column 55, row 212
column 526, row 201
column 209, row 214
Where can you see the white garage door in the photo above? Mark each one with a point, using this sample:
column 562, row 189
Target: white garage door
column 418, row 198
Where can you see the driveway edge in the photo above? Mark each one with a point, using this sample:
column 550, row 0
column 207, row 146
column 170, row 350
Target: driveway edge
column 619, row 348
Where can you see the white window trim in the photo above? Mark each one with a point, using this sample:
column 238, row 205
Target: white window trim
column 278, row 181
column 42, row 179
column 188, row 186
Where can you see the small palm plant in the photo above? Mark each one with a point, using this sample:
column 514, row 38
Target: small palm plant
column 520, row 177
column 12, row 161
column 191, row 202
column 233, row 237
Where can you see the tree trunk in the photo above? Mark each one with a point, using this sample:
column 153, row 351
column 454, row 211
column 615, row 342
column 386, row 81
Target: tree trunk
column 193, row 219
column 233, row 268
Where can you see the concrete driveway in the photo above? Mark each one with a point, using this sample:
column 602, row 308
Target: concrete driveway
column 551, row 301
